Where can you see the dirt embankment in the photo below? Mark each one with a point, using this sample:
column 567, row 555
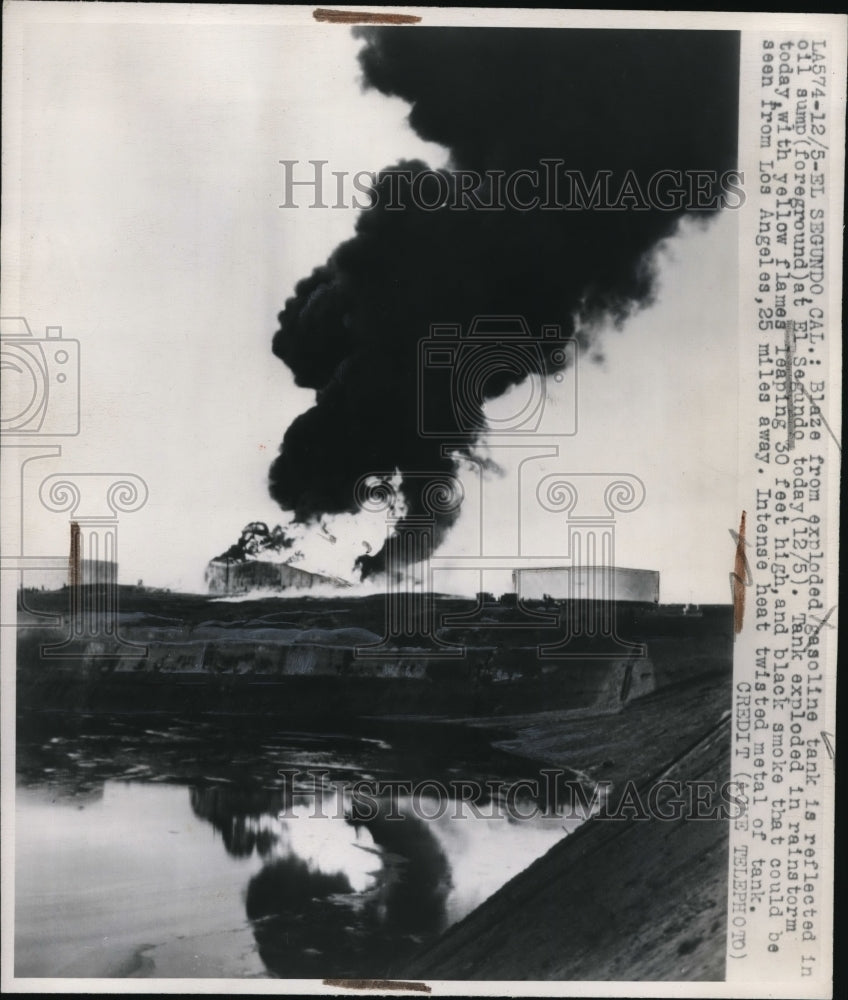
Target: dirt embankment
column 631, row 899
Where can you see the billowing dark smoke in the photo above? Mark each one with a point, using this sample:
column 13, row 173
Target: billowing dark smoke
column 256, row 538
column 499, row 100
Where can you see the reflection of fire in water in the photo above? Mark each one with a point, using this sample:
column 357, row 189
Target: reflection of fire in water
column 325, row 904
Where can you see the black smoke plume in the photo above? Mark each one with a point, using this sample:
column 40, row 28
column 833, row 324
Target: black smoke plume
column 257, row 538
column 499, row 100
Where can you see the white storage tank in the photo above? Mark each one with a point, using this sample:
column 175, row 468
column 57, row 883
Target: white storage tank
column 563, row 583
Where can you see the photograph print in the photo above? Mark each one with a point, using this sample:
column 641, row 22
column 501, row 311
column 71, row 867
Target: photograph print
column 370, row 440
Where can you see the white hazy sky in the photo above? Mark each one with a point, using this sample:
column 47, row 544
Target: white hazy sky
column 142, row 216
